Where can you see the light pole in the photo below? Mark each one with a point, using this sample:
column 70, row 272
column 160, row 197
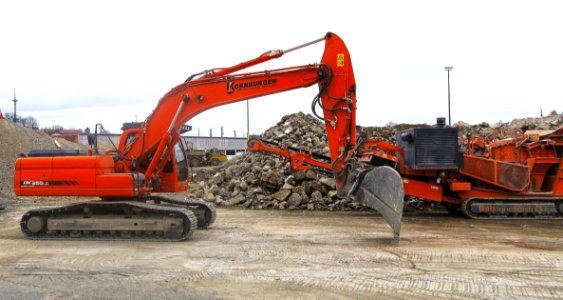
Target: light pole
column 15, row 100
column 449, row 68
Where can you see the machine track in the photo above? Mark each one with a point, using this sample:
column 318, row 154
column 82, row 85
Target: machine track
column 101, row 220
column 513, row 208
column 204, row 212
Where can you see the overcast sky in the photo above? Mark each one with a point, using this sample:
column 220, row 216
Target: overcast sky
column 76, row 63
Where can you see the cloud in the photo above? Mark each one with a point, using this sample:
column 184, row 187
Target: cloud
column 115, row 60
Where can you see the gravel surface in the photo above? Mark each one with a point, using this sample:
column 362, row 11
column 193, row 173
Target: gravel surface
column 265, row 254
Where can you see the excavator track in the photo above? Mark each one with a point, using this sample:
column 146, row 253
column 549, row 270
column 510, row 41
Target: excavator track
column 101, row 220
column 204, row 212
column 513, row 208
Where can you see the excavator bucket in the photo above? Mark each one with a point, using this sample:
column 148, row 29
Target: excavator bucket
column 382, row 189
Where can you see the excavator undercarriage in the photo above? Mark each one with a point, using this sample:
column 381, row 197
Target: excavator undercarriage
column 165, row 219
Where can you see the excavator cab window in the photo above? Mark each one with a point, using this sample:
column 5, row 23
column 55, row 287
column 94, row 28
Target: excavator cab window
column 130, row 137
column 181, row 162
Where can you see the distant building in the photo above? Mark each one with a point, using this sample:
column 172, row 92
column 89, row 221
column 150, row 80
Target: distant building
column 67, row 134
column 108, row 138
column 227, row 145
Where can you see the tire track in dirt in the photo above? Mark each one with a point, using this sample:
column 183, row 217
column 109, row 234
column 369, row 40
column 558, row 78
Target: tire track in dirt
column 339, row 254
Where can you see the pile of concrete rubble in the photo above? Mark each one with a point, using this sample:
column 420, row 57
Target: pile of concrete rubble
column 299, row 130
column 263, row 181
column 513, row 128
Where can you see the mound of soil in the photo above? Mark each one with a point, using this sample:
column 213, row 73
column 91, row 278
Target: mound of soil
column 16, row 141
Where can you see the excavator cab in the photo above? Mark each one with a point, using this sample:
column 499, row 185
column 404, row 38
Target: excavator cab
column 175, row 176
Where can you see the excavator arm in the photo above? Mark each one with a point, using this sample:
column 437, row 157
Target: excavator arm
column 336, row 98
column 155, row 139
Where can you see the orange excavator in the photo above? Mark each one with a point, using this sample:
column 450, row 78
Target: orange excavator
column 150, row 158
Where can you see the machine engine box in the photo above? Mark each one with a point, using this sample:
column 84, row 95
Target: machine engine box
column 430, row 148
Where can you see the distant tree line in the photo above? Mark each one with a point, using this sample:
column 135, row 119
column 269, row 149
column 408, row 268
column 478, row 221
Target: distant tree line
column 27, row 122
column 31, row 122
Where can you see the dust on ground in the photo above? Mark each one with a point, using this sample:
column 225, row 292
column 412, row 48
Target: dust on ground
column 265, row 254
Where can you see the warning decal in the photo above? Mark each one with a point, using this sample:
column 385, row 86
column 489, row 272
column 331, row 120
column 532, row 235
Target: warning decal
column 340, row 60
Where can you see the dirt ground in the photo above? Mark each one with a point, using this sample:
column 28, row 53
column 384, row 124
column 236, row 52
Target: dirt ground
column 294, row 255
